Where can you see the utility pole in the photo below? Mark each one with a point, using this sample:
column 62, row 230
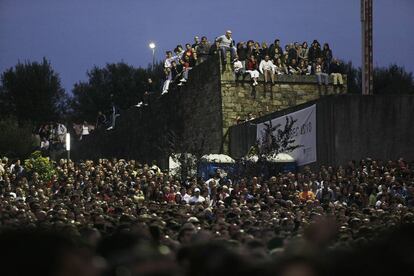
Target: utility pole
column 367, row 46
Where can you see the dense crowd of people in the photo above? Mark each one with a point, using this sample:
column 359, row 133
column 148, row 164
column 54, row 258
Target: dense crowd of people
column 121, row 217
column 51, row 136
column 254, row 59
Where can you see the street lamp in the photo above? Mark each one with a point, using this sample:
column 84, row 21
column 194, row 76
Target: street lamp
column 68, row 145
column 152, row 47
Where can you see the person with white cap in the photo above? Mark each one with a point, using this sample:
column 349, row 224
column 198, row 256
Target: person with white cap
column 185, row 197
column 197, row 198
column 226, row 43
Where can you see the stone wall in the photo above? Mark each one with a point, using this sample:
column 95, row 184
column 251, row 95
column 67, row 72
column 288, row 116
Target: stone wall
column 212, row 101
column 200, row 108
column 199, row 113
column 348, row 127
column 241, row 98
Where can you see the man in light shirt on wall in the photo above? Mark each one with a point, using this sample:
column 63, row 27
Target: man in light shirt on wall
column 267, row 68
column 226, row 43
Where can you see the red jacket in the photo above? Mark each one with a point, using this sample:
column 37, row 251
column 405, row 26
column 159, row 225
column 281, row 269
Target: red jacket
column 251, row 65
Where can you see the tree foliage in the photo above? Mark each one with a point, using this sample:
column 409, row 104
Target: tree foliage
column 354, row 78
column 276, row 140
column 117, row 83
column 393, row 80
column 31, row 91
column 16, row 140
column 36, row 163
column 389, row 80
column 183, row 151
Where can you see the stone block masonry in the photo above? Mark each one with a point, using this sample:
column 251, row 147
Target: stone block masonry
column 199, row 109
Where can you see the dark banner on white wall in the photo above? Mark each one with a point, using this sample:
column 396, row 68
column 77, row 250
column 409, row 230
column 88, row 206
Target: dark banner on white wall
column 304, row 134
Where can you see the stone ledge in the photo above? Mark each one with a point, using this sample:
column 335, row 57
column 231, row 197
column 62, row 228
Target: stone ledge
column 293, row 79
column 228, row 76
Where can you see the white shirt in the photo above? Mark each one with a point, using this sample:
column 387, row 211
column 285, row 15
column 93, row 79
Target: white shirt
column 186, row 198
column 179, row 55
column 211, row 179
column 237, row 66
column 225, row 42
column 2, row 170
column 44, row 144
column 197, row 199
column 11, row 168
column 168, row 61
column 61, row 129
column 266, row 65
column 85, row 130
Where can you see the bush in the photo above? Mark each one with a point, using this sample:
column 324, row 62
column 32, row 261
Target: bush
column 39, row 164
column 16, row 141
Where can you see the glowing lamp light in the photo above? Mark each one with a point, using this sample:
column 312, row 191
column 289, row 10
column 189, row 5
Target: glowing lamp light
column 68, row 141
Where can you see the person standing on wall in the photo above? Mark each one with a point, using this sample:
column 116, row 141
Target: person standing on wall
column 226, row 43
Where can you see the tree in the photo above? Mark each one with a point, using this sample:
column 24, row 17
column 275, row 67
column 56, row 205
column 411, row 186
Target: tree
column 276, row 140
column 16, row 141
column 185, row 152
column 354, row 78
column 117, row 83
column 31, row 91
column 36, row 163
column 389, row 80
column 393, row 80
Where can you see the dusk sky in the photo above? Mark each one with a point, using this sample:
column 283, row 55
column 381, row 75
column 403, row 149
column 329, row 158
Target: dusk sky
column 75, row 35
